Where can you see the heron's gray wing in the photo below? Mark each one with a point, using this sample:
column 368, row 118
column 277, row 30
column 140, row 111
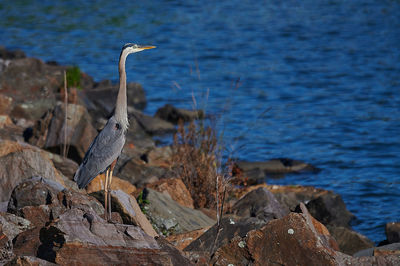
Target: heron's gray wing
column 105, row 148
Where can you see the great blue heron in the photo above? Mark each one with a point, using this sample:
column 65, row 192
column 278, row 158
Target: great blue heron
column 105, row 149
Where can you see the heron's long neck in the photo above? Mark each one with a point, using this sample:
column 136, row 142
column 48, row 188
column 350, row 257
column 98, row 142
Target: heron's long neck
column 121, row 114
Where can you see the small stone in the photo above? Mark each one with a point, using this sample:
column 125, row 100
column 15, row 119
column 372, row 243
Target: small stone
column 242, row 244
column 290, row 231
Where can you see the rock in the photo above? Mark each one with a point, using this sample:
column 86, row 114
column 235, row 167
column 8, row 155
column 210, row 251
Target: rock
column 158, row 156
column 129, row 210
column 138, row 173
column 6, row 248
column 97, row 184
column 260, row 203
column 273, row 167
column 28, row 261
column 378, row 251
column 152, row 125
column 13, row 225
column 330, row 209
column 34, row 90
column 181, row 241
column 64, row 165
column 392, row 231
column 7, row 54
column 32, row 192
column 175, row 188
column 20, row 161
column 170, row 217
column 5, row 104
column 292, row 240
column 229, row 228
column 83, row 238
column 173, row 114
column 52, row 132
column 348, row 240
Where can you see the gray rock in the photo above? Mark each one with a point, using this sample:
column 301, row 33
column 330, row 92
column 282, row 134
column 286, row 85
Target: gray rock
column 228, row 229
column 152, row 125
column 274, row 167
column 348, row 240
column 260, row 203
column 29, row 261
column 169, row 216
column 370, row 251
column 12, row 225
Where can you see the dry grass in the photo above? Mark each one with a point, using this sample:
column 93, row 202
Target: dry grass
column 196, row 160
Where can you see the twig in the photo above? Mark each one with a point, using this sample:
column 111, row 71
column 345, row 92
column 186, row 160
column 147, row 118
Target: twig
column 66, row 115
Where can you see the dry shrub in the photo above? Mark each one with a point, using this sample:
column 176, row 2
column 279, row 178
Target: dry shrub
column 196, row 161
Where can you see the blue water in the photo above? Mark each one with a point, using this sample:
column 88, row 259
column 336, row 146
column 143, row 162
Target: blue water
column 312, row 80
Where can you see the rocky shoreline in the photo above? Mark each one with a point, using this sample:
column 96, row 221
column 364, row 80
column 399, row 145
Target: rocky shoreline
column 45, row 219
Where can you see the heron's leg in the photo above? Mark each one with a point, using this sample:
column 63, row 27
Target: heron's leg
column 106, row 189
column 109, row 186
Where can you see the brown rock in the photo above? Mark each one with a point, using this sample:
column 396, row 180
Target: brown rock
column 181, row 241
column 127, row 207
column 84, row 238
column 97, row 184
column 20, row 161
column 6, row 250
column 175, row 188
column 12, row 225
column 138, row 173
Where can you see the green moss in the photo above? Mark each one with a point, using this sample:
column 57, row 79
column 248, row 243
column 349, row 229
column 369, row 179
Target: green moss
column 74, row 77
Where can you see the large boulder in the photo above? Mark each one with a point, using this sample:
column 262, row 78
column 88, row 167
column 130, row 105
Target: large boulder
column 219, row 235
column 260, row 203
column 21, row 161
column 168, row 216
column 349, row 241
column 74, row 131
column 152, row 125
column 83, row 238
column 292, row 240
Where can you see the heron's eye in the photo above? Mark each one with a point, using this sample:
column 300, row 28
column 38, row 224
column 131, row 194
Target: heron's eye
column 117, row 126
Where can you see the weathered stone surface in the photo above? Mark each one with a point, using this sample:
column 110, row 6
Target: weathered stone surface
column 64, row 165
column 8, row 54
column 349, row 241
column 6, row 248
column 129, row 210
column 77, row 132
column 260, row 203
column 12, row 225
column 28, row 261
column 175, row 188
column 228, row 229
column 168, row 216
column 82, row 238
column 274, row 167
column 158, row 156
column 98, row 183
column 330, row 209
column 181, row 241
column 33, row 192
column 20, row 161
column 173, row 114
column 392, row 231
column 152, row 125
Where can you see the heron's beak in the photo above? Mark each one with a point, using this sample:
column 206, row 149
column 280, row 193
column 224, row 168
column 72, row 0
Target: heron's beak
column 147, row 47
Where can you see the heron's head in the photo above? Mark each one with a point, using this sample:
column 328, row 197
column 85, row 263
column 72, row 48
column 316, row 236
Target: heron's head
column 130, row 48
